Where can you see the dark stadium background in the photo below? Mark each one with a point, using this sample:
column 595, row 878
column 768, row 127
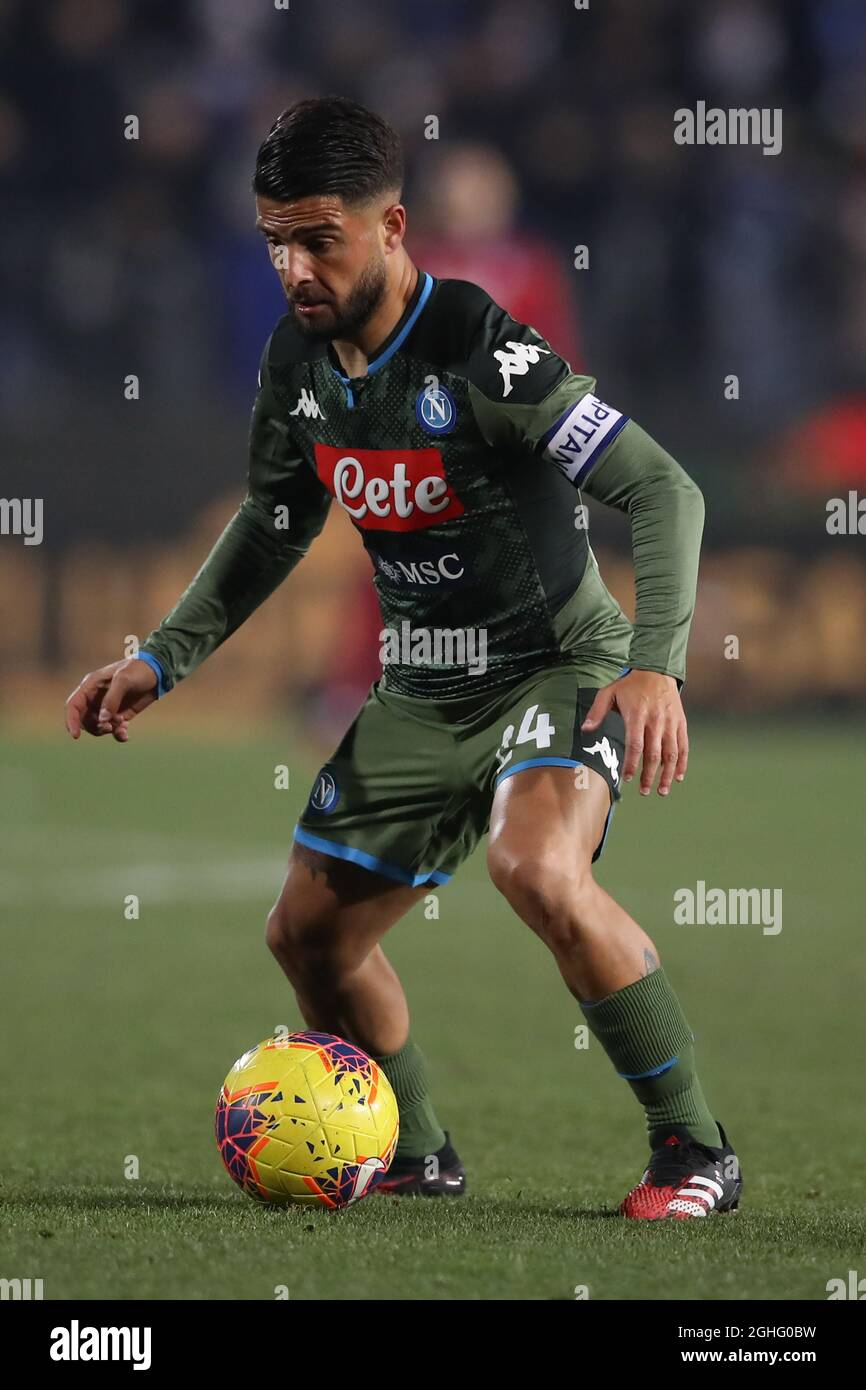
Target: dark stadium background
column 121, row 256
column 555, row 130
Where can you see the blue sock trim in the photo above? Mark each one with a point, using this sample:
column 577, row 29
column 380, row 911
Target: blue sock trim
column 151, row 661
column 653, row 1071
column 369, row 861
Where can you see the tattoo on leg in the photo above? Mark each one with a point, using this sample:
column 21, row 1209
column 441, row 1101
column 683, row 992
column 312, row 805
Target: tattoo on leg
column 321, row 866
column 350, row 882
column 650, row 961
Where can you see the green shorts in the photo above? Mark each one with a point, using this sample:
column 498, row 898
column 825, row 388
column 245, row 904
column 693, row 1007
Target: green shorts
column 409, row 790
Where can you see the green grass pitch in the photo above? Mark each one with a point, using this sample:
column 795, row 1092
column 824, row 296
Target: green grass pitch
column 118, row 1033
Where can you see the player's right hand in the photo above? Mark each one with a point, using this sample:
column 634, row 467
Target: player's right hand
column 106, row 700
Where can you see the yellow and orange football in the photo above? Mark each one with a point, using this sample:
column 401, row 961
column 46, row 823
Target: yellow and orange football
column 307, row 1118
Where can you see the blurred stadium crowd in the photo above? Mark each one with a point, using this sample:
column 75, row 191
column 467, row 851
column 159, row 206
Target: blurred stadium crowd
column 555, row 130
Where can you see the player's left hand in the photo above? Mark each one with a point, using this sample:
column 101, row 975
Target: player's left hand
column 655, row 726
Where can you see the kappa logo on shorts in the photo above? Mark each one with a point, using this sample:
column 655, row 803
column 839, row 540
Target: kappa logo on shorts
column 389, row 489
column 325, row 793
column 609, row 757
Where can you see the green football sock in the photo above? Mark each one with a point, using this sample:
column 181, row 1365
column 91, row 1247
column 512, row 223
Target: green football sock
column 420, row 1131
column 644, row 1032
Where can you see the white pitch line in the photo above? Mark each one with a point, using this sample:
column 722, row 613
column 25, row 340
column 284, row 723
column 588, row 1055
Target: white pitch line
column 212, row 881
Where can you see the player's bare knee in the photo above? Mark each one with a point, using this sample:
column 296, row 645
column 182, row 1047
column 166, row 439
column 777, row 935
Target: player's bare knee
column 521, row 872
column 549, row 892
column 291, row 932
column 309, row 947
column 278, row 931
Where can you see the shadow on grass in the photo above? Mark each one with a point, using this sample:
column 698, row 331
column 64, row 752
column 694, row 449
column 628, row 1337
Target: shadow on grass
column 108, row 1200
column 135, row 1199
column 475, row 1210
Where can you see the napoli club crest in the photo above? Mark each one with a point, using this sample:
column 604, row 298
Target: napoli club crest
column 325, row 793
column 436, row 410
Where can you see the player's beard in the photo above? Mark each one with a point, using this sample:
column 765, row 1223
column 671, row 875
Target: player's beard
column 361, row 302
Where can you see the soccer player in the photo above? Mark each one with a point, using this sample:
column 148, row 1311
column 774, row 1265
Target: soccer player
column 516, row 696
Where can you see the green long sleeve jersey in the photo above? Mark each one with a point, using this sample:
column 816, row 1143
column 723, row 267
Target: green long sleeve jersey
column 458, row 458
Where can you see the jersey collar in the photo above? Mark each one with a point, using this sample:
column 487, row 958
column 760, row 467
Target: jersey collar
column 399, row 333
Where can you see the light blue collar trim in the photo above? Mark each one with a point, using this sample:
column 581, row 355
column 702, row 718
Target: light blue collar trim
column 401, row 336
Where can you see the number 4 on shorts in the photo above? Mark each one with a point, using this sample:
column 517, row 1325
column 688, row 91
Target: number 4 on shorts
column 540, row 734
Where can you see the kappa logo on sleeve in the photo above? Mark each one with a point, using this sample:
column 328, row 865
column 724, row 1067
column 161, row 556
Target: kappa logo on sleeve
column 581, row 435
column 389, row 489
column 515, row 359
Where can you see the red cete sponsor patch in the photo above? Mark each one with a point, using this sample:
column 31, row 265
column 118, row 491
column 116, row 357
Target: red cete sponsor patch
column 389, row 489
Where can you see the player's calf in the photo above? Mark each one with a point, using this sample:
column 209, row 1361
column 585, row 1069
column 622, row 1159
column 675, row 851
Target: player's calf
column 597, row 946
column 324, row 932
column 542, row 839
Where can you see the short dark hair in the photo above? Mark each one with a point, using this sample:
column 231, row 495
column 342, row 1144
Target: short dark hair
column 329, row 145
